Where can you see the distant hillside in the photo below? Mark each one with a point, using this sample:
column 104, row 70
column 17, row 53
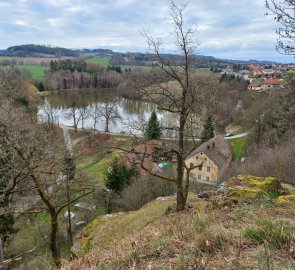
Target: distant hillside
column 251, row 61
column 38, row 50
column 117, row 58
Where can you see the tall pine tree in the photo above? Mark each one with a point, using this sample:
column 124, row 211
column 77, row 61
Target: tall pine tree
column 208, row 130
column 153, row 128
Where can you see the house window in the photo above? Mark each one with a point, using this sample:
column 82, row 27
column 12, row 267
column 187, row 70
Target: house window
column 200, row 168
column 199, row 177
column 208, row 169
column 196, row 157
column 208, row 179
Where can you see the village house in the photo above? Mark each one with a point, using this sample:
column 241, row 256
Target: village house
column 272, row 84
column 215, row 155
column 148, row 154
column 255, row 86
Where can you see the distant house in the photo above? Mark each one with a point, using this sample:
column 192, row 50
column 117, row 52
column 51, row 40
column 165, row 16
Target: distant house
column 216, row 155
column 147, row 153
column 255, row 86
column 272, row 84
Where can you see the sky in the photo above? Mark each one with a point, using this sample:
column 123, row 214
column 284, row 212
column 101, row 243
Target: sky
column 228, row 29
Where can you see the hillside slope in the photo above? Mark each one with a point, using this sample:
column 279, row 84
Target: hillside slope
column 249, row 224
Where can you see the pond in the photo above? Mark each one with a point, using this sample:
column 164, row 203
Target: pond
column 133, row 113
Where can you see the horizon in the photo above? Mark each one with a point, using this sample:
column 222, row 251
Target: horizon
column 226, row 29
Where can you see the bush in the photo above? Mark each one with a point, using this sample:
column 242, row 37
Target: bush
column 143, row 190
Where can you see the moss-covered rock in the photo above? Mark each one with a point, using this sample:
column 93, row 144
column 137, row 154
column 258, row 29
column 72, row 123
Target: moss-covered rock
column 268, row 184
column 247, row 188
column 286, row 200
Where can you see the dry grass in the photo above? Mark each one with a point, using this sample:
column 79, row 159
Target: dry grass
column 203, row 237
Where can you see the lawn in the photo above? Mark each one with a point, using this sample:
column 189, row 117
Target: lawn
column 240, row 146
column 94, row 166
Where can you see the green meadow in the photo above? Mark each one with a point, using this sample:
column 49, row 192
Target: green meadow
column 105, row 61
column 38, row 72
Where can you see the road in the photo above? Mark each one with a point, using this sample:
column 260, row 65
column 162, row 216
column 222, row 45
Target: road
column 244, row 134
column 70, row 143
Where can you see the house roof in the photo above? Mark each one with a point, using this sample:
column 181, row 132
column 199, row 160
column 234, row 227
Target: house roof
column 217, row 149
column 143, row 151
column 272, row 82
column 255, row 84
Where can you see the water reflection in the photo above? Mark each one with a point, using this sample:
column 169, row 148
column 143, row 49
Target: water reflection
column 132, row 112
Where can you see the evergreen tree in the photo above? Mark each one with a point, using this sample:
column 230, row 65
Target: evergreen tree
column 41, row 87
column 153, row 128
column 208, row 130
column 119, row 175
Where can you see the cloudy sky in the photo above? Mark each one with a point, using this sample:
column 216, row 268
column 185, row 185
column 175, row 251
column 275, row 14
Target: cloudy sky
column 232, row 29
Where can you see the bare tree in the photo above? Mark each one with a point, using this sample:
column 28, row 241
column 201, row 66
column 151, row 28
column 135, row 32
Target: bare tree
column 109, row 112
column 36, row 171
column 77, row 114
column 283, row 12
column 95, row 114
column 49, row 115
column 36, row 153
column 83, row 113
column 180, row 99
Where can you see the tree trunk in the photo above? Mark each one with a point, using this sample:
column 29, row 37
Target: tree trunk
column 1, row 252
column 186, row 186
column 70, row 234
column 54, row 240
column 107, row 125
column 179, row 181
column 180, row 198
column 75, row 124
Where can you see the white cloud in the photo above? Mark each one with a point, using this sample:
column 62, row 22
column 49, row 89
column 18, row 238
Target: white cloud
column 223, row 25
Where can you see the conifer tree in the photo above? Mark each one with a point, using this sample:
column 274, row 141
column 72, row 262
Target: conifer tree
column 153, row 129
column 119, row 175
column 41, row 87
column 208, row 130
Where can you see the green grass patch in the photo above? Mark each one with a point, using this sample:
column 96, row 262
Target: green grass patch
column 240, row 146
column 105, row 61
column 38, row 72
column 94, row 166
column 276, row 233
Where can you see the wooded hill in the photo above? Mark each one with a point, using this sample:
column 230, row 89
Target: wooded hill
column 38, row 50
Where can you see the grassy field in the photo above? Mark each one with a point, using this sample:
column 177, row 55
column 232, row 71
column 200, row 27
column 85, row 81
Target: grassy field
column 38, row 72
column 240, row 146
column 93, row 166
column 105, row 61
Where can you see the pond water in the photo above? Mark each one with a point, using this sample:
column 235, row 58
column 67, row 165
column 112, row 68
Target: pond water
column 132, row 113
